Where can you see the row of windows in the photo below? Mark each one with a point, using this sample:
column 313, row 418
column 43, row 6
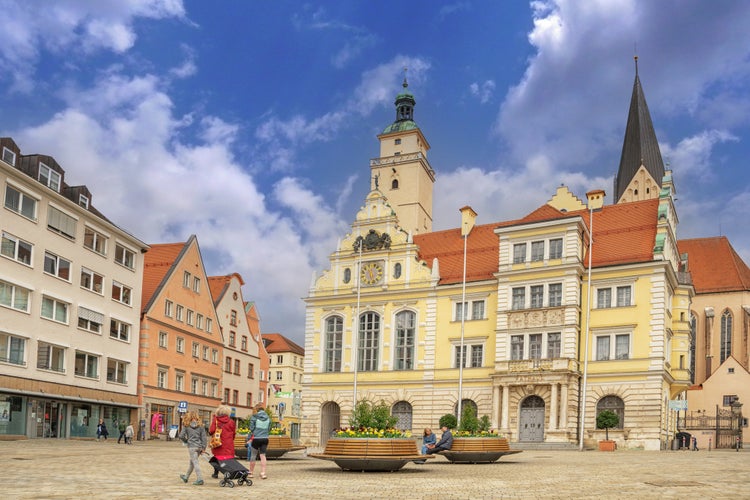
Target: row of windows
column 537, row 251
column 60, row 267
column 197, row 350
column 189, row 280
column 188, row 316
column 54, row 358
column 280, row 360
column 198, row 385
column 233, row 340
column 66, row 225
column 535, row 295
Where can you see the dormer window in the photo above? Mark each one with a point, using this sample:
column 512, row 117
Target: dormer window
column 83, row 201
column 49, row 177
column 9, row 157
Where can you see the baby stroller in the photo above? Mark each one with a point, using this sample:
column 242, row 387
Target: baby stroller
column 231, row 470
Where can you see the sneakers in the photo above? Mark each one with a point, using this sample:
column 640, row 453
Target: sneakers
column 199, row 482
column 183, row 477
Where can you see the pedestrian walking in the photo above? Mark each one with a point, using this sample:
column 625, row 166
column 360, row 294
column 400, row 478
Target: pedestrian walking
column 122, row 428
column 129, row 432
column 260, row 425
column 194, row 436
column 101, row 430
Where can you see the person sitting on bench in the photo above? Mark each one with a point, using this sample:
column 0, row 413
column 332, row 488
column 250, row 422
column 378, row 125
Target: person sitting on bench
column 445, row 443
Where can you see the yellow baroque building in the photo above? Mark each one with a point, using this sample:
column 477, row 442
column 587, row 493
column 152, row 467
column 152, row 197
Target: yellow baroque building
column 539, row 323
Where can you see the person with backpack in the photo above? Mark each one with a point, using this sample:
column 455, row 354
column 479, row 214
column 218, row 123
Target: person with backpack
column 260, row 425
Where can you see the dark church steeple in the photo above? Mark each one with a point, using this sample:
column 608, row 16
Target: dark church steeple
column 641, row 166
column 405, row 103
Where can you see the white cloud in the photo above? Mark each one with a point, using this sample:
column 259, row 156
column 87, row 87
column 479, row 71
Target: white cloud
column 483, row 91
column 69, row 26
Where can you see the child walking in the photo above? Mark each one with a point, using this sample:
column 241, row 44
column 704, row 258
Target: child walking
column 194, row 435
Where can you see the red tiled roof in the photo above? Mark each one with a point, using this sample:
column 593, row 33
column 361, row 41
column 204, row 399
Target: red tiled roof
column 156, row 264
column 276, row 342
column 714, row 265
column 623, row 234
column 217, row 285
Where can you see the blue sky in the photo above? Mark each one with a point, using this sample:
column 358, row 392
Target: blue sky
column 252, row 123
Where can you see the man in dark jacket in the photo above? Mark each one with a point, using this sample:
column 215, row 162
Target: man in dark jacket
column 445, row 443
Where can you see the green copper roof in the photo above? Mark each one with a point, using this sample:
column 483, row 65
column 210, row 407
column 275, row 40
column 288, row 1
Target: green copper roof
column 400, row 126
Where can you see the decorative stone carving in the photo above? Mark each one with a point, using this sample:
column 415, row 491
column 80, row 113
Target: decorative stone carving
column 372, row 241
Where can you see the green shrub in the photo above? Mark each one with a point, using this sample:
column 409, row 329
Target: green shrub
column 606, row 420
column 448, row 420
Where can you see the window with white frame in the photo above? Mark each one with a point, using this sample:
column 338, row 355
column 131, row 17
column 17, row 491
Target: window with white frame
column 54, row 309
column 233, row 318
column 57, row 266
column 537, row 296
column 83, row 201
column 612, row 346
column 555, row 248
column 725, row 341
column 279, row 375
column 250, row 370
column 124, row 256
column 553, row 345
column 50, row 357
column 519, row 253
column 228, row 364
column 86, row 365
column 199, row 321
column 189, row 317
column 209, row 324
column 518, row 298
column 197, row 285
column 94, row 240
column 14, row 296
column 168, row 304
column 472, row 355
column 9, row 156
column 623, row 296
column 89, row 320
column 179, row 381
column 194, row 385
column 179, row 310
column 333, row 344
column 12, row 349
column 20, row 202
column 231, row 338
column 215, row 356
column 186, row 279
column 369, row 342
column 206, row 350
column 92, row 281
column 472, row 310
column 180, row 344
column 555, row 294
column 196, row 350
column 161, row 378
column 61, row 222
column 279, row 359
column 516, row 347
column 406, row 322
column 117, row 371
column 237, row 367
column 204, row 387
column 121, row 293
column 243, row 343
column 214, row 389
column 163, row 338
column 119, row 330
column 16, row 248
column 49, row 177
column 535, row 346
column 537, row 251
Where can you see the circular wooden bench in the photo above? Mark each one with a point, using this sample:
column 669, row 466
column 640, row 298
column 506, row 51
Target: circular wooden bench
column 277, row 446
column 478, row 450
column 370, row 454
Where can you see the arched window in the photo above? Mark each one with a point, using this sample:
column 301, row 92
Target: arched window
column 369, row 341
column 726, row 335
column 347, row 275
column 615, row 405
column 405, row 338
column 466, row 403
column 402, row 411
column 397, row 270
column 333, row 343
column 394, row 184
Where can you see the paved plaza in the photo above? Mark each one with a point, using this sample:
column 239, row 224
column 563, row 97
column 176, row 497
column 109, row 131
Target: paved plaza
column 55, row 469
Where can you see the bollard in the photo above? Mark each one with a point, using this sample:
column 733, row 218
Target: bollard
column 709, row 444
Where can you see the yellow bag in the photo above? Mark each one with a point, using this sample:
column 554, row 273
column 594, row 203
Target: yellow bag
column 216, row 439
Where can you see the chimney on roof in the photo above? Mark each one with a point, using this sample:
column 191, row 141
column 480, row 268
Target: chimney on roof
column 595, row 199
column 468, row 219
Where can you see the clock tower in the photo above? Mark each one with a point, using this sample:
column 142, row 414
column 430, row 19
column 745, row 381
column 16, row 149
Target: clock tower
column 402, row 172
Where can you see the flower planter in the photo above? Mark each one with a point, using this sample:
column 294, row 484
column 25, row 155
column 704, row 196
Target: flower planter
column 277, row 446
column 607, row 445
column 477, row 450
column 371, row 454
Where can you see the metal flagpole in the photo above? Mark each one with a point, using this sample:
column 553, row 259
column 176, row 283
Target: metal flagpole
column 355, row 330
column 462, row 353
column 588, row 329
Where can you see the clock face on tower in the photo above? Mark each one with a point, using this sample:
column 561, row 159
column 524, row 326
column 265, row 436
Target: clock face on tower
column 372, row 273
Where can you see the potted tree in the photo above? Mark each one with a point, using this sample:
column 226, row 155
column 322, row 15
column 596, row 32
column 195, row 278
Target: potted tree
column 371, row 442
column 606, row 420
column 474, row 441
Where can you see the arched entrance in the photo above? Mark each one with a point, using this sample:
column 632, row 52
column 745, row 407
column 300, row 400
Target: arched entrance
column 330, row 419
column 531, row 421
